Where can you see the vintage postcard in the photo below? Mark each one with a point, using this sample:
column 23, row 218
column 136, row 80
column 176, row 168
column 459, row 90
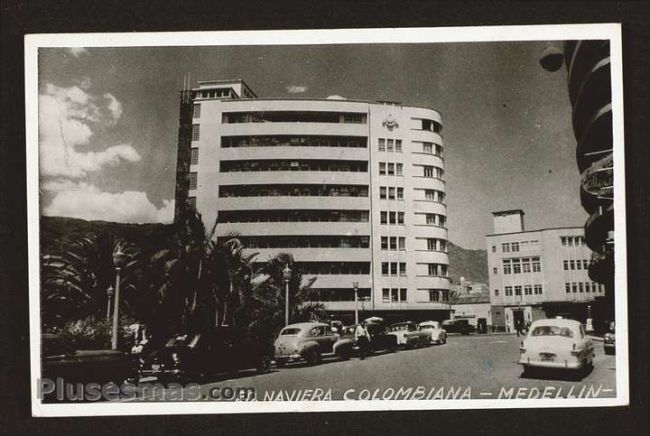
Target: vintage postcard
column 326, row 220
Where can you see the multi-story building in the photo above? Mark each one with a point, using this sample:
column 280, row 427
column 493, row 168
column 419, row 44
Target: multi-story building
column 537, row 273
column 590, row 93
column 354, row 190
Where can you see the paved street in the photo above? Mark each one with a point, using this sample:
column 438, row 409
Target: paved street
column 466, row 367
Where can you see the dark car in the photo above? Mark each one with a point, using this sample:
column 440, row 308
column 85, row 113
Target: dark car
column 380, row 340
column 194, row 356
column 461, row 326
column 60, row 360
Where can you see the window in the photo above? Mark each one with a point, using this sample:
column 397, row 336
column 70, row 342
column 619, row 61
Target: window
column 566, row 265
column 382, row 192
column 578, row 264
column 398, row 169
column 433, row 269
column 382, row 168
column 398, row 145
column 587, row 287
column 508, row 291
column 505, row 247
column 563, row 239
column 528, row 290
column 570, row 241
column 516, row 266
column 196, row 111
column 496, row 292
column 384, row 242
column 428, row 171
column 538, row 289
column 400, row 217
column 585, row 264
column 574, row 287
column 514, row 246
column 581, row 287
column 567, row 287
column 494, row 249
column 495, row 270
column 383, row 217
column 193, row 180
column 402, row 268
column 536, row 265
column 434, row 295
column 194, row 159
column 430, row 218
column 400, row 193
column 391, row 169
column 402, row 294
column 427, row 147
column 191, row 202
column 393, row 295
column 393, row 268
column 382, row 144
column 391, row 193
column 507, row 266
column 518, row 291
column 384, row 268
column 525, row 265
column 389, row 145
column 572, row 264
column 392, row 218
column 385, row 295
column 430, row 194
column 402, row 243
column 393, row 243
column 195, row 132
column 432, row 244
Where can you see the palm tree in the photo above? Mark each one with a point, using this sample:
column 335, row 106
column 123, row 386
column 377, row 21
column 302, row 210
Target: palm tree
column 74, row 283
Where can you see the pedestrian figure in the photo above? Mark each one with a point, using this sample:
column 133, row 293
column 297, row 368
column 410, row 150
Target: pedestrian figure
column 363, row 339
column 519, row 328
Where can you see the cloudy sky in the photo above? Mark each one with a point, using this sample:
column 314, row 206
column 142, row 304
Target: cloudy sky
column 108, row 122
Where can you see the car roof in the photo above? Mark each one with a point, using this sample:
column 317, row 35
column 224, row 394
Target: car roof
column 304, row 325
column 562, row 322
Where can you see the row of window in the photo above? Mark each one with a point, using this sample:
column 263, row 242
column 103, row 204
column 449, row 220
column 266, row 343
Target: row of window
column 391, row 217
column 354, row 166
column 393, row 295
column 294, row 117
column 393, row 268
column 294, row 141
column 438, row 269
column 212, row 93
column 521, row 265
column 508, row 247
column 293, row 216
column 393, row 243
column 432, row 172
column 311, row 241
column 575, row 264
column 438, row 295
column 391, row 193
column 575, row 287
column 390, row 169
column 333, row 268
column 431, row 148
column 435, row 219
column 527, row 290
column 387, row 144
column 338, row 294
column 434, row 195
column 291, row 190
column 571, row 241
column 435, row 244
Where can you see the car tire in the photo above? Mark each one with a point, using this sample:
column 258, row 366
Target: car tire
column 312, row 357
column 280, row 363
column 609, row 351
column 264, row 365
column 346, row 354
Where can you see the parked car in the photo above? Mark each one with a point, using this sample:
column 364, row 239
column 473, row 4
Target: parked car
column 59, row 359
column 437, row 333
column 409, row 335
column 609, row 340
column 193, row 356
column 310, row 341
column 380, row 339
column 556, row 343
column 461, row 326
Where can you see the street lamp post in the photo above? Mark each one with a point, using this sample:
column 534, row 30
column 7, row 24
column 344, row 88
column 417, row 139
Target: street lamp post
column 286, row 276
column 110, row 292
column 356, row 302
column 119, row 260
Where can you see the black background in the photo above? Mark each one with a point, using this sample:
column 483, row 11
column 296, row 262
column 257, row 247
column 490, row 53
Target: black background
column 20, row 17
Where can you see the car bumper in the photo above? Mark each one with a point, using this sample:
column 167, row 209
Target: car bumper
column 562, row 364
column 288, row 357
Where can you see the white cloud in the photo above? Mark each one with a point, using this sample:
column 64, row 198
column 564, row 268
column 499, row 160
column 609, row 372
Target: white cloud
column 77, row 51
column 85, row 201
column 295, row 89
column 66, row 119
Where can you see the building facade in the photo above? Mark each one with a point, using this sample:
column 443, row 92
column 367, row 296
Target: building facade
column 538, row 274
column 475, row 307
column 354, row 190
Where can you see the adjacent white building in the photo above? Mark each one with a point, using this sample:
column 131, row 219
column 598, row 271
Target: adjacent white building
column 355, row 190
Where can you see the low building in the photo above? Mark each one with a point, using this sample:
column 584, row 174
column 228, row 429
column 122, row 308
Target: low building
column 474, row 307
column 538, row 274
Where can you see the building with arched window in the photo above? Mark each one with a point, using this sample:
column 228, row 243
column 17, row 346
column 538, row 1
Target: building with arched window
column 354, row 190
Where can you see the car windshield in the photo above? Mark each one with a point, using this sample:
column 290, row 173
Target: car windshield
column 181, row 340
column 552, row 330
column 290, row 332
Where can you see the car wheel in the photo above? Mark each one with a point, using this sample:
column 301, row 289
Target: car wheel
column 392, row 348
column 444, row 340
column 280, row 363
column 312, row 357
column 264, row 365
column 346, row 354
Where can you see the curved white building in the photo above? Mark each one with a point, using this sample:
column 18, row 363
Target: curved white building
column 354, row 190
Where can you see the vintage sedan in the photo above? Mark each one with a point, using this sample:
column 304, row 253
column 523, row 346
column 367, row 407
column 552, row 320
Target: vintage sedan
column 437, row 333
column 556, row 343
column 409, row 335
column 380, row 339
column 194, row 356
column 310, row 341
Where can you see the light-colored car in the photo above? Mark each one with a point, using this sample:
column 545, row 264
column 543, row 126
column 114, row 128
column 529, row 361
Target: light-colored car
column 409, row 335
column 437, row 333
column 556, row 343
column 310, row 341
